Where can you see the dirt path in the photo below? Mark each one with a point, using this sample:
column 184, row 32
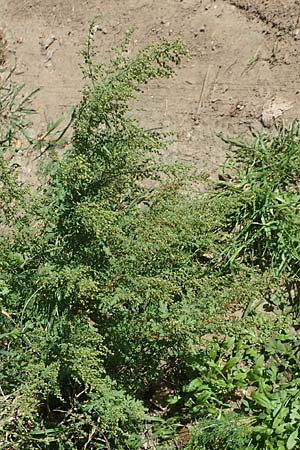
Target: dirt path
column 245, row 62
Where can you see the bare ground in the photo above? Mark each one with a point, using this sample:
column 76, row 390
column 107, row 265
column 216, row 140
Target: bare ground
column 243, row 73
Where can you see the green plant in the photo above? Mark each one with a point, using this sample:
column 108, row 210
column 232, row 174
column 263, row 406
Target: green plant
column 256, row 376
column 56, row 393
column 263, row 179
column 15, row 111
column 61, row 267
column 228, row 432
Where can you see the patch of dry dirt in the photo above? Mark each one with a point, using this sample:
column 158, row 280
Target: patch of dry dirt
column 239, row 66
column 281, row 14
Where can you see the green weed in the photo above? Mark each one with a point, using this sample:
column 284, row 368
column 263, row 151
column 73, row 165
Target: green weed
column 263, row 181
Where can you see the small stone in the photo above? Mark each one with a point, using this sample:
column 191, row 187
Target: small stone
column 297, row 34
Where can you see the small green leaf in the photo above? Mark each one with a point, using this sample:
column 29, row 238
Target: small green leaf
column 292, row 440
column 232, row 362
column 194, row 385
column 174, row 400
column 17, row 258
column 262, row 400
column 203, row 396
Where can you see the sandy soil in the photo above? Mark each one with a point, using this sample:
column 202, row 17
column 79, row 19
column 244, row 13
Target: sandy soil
column 243, row 73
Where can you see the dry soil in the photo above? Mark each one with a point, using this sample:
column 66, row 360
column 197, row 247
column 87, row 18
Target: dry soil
column 243, row 74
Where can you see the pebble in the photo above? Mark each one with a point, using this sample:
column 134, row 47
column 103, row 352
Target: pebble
column 297, row 34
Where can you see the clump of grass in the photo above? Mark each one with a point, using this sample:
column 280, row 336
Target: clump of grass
column 263, row 180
